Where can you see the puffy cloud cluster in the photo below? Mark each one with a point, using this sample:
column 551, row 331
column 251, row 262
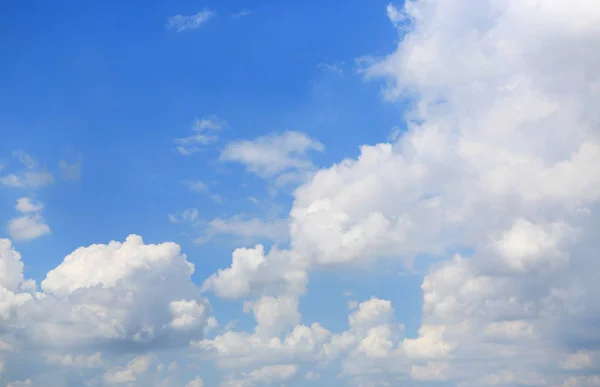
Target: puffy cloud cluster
column 30, row 225
column 279, row 343
column 13, row 288
column 119, row 297
column 254, row 272
column 497, row 160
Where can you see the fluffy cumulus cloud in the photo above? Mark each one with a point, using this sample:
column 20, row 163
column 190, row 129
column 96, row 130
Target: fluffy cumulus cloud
column 123, row 296
column 11, row 283
column 280, row 344
column 253, row 271
column 30, row 225
column 116, row 285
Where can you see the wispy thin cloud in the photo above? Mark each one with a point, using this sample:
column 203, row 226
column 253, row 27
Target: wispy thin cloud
column 70, row 171
column 181, row 23
column 336, row 68
column 242, row 13
column 196, row 185
column 38, row 178
column 12, row 180
column 217, row 198
column 205, row 132
column 25, row 159
column 199, row 186
column 245, row 227
column 284, row 156
column 32, row 177
column 189, row 215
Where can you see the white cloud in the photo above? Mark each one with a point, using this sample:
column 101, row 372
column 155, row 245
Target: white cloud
column 430, row 371
column 196, row 382
column 129, row 373
column 494, row 164
column 430, row 343
column 254, row 271
column 127, row 293
column 371, row 313
column 11, row 270
column 189, row 215
column 479, row 176
column 32, row 177
column 510, row 329
column 495, row 160
column 12, row 180
column 527, row 245
column 273, row 374
column 29, row 226
column 579, row 360
column 101, row 302
column 187, row 314
column 271, row 155
column 264, row 376
column 27, row 205
column 75, row 273
column 370, row 339
column 181, row 23
column 206, row 131
column 274, row 315
column 25, row 159
column 396, row 16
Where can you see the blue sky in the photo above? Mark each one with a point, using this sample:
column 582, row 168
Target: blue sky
column 112, row 88
column 401, row 164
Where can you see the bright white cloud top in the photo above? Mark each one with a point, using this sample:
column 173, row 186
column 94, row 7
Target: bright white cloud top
column 496, row 181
